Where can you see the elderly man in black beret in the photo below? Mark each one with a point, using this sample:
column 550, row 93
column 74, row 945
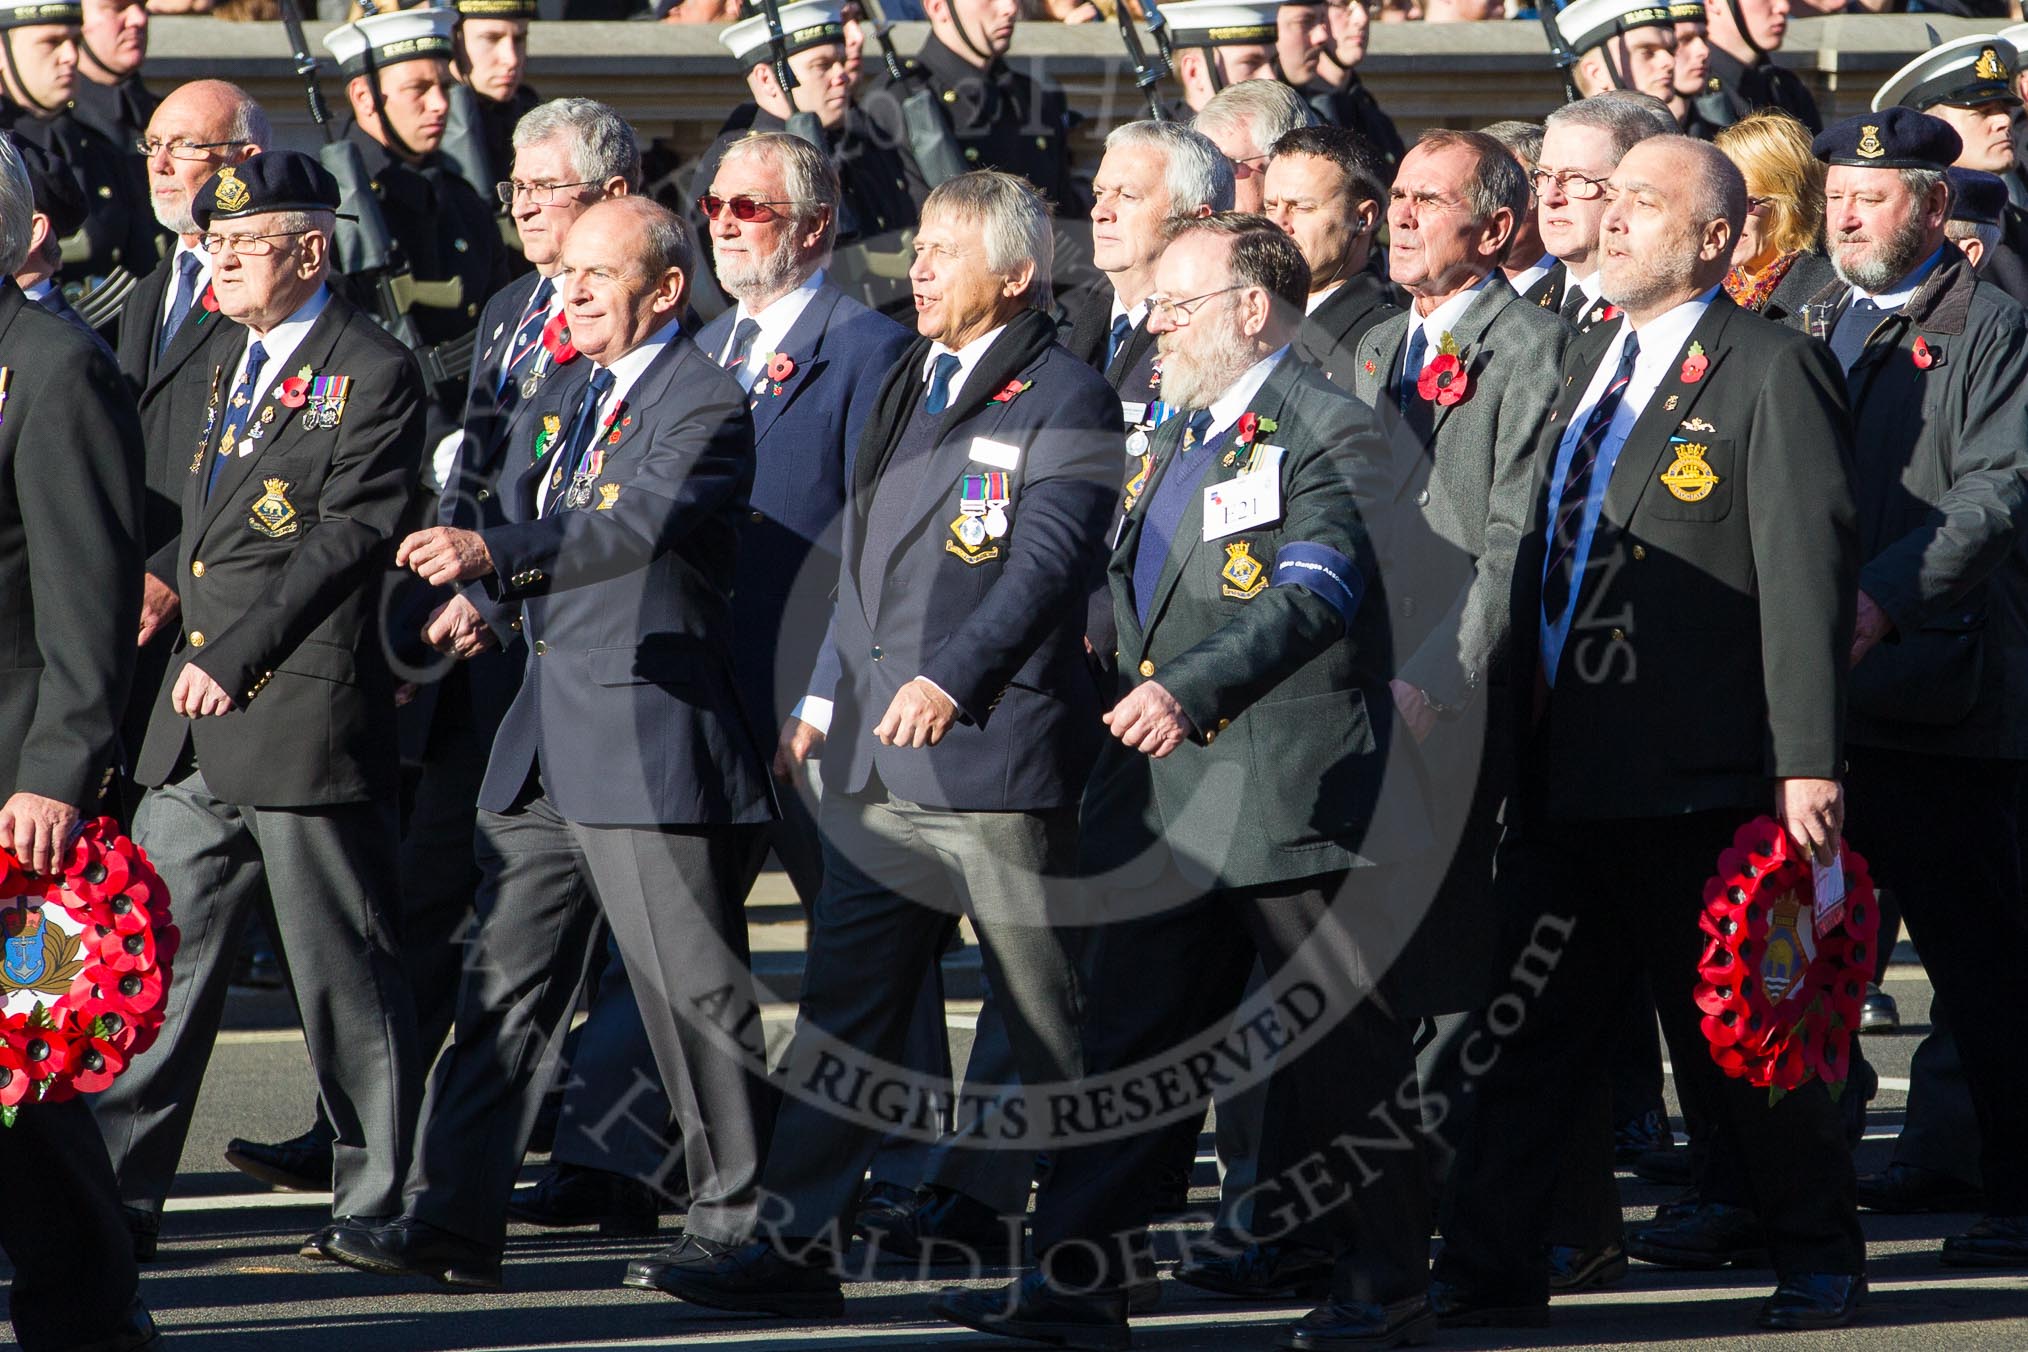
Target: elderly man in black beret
column 270, row 757
column 1935, row 360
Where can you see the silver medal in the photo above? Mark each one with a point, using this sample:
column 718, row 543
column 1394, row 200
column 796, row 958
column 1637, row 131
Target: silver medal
column 972, row 531
column 996, row 522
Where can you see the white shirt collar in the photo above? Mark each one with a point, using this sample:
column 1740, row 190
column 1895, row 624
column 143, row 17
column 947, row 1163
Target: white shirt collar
column 1588, row 285
column 176, row 267
column 775, row 322
column 1227, row 407
column 1663, row 336
column 279, row 344
column 1134, row 315
column 1533, row 273
column 1441, row 320
column 968, row 357
column 39, row 290
column 627, row 369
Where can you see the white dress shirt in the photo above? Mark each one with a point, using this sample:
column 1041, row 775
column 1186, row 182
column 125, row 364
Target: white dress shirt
column 278, row 344
column 1227, row 407
column 1437, row 323
column 1532, row 274
column 626, row 371
column 775, row 322
column 175, row 269
column 968, row 359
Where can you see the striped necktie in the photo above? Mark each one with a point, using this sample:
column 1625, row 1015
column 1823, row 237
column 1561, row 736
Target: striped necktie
column 1567, row 508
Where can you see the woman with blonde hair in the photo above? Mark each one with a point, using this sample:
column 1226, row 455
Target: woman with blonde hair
column 1778, row 264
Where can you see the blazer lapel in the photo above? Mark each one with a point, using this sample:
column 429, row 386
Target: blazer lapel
column 1646, row 451
column 556, row 399
column 803, row 343
column 197, row 327
column 1377, row 351
column 313, row 352
column 1494, row 297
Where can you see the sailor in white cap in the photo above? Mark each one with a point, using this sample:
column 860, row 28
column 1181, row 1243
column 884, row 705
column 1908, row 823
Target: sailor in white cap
column 1222, row 42
column 1623, row 44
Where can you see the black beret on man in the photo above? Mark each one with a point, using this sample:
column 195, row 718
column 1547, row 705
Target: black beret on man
column 274, row 180
column 1893, row 138
column 1977, row 197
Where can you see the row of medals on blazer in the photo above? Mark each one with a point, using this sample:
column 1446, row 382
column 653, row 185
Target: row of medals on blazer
column 323, row 398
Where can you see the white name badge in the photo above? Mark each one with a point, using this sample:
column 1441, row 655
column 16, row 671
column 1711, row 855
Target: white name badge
column 1249, row 500
column 998, row 454
column 1131, row 414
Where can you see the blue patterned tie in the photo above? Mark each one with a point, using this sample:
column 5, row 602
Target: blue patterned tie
column 939, row 397
column 187, row 268
column 579, row 442
column 1122, row 327
column 527, row 339
column 1566, row 509
column 742, row 345
column 1411, row 368
column 238, row 412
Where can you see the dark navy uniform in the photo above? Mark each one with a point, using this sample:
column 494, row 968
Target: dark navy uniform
column 1355, row 109
column 119, row 228
column 1736, row 89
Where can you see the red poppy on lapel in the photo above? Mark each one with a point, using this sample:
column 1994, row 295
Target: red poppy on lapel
column 209, row 300
column 1695, row 365
column 295, row 390
column 1444, row 381
column 1925, row 356
column 556, row 340
column 780, row 367
column 1009, row 390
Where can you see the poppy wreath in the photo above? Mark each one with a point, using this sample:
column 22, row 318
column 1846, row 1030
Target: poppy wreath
column 1780, row 1001
column 85, row 971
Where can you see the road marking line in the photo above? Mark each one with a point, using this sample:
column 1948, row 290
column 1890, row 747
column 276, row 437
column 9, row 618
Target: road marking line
column 256, row 1201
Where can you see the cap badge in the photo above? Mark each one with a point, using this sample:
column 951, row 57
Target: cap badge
column 232, row 194
column 1989, row 66
column 1869, row 143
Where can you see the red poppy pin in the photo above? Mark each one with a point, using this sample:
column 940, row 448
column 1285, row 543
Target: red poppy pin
column 1695, row 365
column 1009, row 390
column 209, row 301
column 1370, row 367
column 296, row 389
column 618, row 423
column 1925, row 356
column 780, row 367
column 556, row 340
column 1605, row 314
column 1445, row 381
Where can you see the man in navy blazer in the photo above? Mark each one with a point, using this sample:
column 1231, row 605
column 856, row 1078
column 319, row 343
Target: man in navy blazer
column 522, row 344
column 964, row 721
column 623, row 785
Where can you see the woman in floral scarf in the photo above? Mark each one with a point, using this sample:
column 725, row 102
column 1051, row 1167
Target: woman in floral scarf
column 1779, row 262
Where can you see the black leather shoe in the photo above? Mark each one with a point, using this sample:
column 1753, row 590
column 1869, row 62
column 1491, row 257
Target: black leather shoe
column 1812, row 1300
column 1910, row 1190
column 137, row 1333
column 1457, row 1308
column 313, row 1247
column 571, row 1195
column 1263, row 1272
column 1996, row 1241
column 754, row 1278
column 299, row 1165
column 1032, row 1309
column 1877, row 1012
column 1671, row 1168
column 1635, row 1138
column 1347, row 1325
column 946, row 1228
column 407, row 1247
column 1572, row 1269
column 1712, row 1235
column 146, row 1228
column 884, row 1207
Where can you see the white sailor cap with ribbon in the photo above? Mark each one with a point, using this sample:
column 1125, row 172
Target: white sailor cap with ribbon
column 22, row 13
column 805, row 24
column 380, row 40
column 1964, row 72
column 1222, row 23
column 1585, row 24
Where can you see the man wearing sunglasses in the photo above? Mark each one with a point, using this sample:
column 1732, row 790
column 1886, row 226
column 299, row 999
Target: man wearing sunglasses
column 38, row 79
column 879, row 183
column 1244, row 121
column 272, row 742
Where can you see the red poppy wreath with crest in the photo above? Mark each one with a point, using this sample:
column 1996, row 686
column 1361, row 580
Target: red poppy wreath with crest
column 1779, row 990
column 86, row 968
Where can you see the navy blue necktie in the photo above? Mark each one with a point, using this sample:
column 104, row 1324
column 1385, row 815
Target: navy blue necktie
column 187, row 268
column 238, row 412
column 1411, row 367
column 742, row 345
column 1122, row 328
column 939, row 397
column 1566, row 509
column 1166, row 505
column 579, row 442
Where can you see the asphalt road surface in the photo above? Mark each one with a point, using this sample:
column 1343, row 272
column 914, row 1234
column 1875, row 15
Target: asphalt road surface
column 228, row 1277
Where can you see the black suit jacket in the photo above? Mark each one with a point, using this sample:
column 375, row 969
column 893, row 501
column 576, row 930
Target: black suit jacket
column 1329, row 336
column 279, row 571
column 1548, row 289
column 70, row 516
column 1712, row 634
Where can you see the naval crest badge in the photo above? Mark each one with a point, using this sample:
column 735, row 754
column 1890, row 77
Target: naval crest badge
column 1243, row 574
column 272, row 514
column 39, row 957
column 1869, row 143
column 609, row 494
column 1989, row 66
column 232, row 193
column 1689, row 478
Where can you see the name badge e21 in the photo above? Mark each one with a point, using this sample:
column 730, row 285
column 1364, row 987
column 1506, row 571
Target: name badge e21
column 1246, row 500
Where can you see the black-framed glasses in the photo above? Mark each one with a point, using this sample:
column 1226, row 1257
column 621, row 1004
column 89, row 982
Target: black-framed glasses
column 541, row 194
column 748, row 210
column 1577, row 187
column 248, row 246
column 1246, row 166
column 1178, row 313
column 149, row 147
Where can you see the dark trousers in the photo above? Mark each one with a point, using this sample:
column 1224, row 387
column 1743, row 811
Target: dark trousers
column 1609, row 901
column 672, row 897
column 1166, row 977
column 1945, row 833
column 1941, row 1129
column 61, row 1227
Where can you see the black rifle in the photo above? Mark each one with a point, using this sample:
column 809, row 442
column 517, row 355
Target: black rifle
column 1147, row 74
column 930, row 138
column 804, row 125
column 1566, row 60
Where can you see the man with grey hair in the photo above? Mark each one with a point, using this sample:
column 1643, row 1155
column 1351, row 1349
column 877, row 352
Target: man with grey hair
column 309, row 446
column 568, row 155
column 1581, row 143
column 617, row 552
column 1935, row 359
column 70, row 521
column 964, row 723
column 1244, row 121
column 1530, row 268
column 1693, row 499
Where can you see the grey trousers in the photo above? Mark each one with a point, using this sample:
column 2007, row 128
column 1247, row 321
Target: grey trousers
column 896, row 878
column 672, row 897
column 331, row 874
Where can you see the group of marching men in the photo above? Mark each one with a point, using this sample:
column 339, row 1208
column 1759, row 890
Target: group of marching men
column 1227, row 629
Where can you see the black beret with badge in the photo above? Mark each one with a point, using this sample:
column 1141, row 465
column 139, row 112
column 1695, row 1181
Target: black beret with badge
column 274, row 180
column 1977, row 197
column 1893, row 138
column 1964, row 73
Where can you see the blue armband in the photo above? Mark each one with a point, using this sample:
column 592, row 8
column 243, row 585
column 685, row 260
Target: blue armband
column 1324, row 573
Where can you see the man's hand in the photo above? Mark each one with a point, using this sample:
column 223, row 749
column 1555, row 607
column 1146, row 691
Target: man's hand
column 1149, row 720
column 159, row 607
column 1870, row 627
column 1813, row 813
column 919, row 716
column 198, row 696
column 457, row 628
column 1415, row 708
column 38, row 830
column 443, row 555
column 799, row 741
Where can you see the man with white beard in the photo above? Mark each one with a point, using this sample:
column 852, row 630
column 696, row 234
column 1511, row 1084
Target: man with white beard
column 169, row 325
